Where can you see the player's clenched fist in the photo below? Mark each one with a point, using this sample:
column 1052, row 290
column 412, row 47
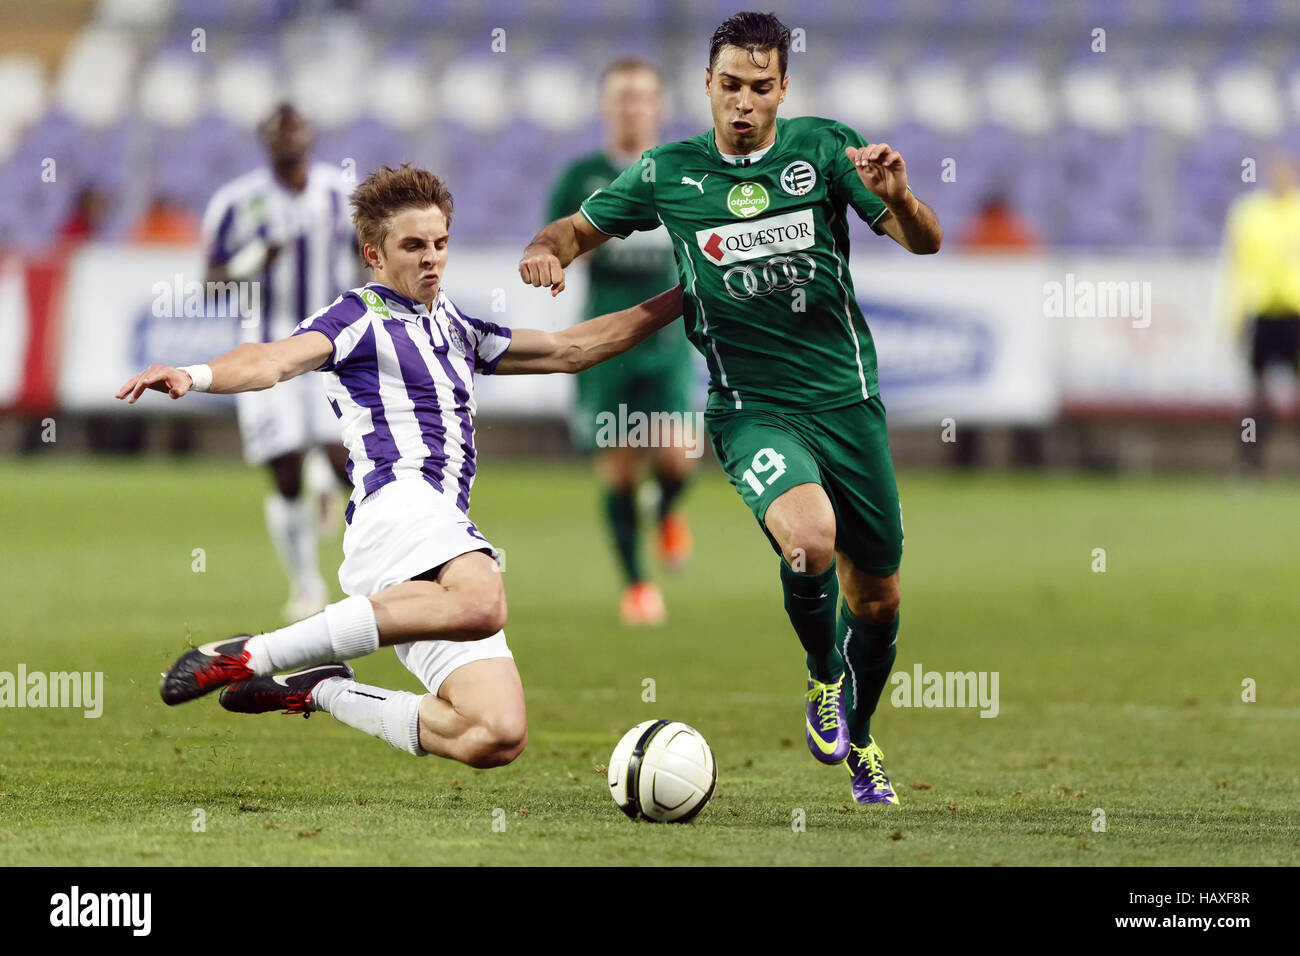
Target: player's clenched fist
column 882, row 170
column 540, row 267
column 161, row 378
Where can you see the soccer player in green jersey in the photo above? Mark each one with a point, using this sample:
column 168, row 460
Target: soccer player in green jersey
column 656, row 376
column 757, row 208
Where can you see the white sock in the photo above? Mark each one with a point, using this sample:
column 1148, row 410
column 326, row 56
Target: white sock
column 391, row 715
column 342, row 631
column 293, row 529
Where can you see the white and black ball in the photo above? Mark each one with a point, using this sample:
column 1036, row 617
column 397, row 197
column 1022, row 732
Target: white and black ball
column 662, row 771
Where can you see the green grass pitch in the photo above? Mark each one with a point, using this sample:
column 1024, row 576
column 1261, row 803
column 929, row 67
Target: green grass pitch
column 1119, row 690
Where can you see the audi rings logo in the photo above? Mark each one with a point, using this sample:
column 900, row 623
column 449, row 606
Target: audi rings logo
column 775, row 275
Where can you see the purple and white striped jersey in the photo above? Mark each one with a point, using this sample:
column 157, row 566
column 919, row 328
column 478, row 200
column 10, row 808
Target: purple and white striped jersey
column 312, row 229
column 401, row 380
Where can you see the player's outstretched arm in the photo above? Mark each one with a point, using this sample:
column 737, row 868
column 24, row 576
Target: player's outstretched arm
column 552, row 249
column 581, row 346
column 911, row 223
column 250, row 367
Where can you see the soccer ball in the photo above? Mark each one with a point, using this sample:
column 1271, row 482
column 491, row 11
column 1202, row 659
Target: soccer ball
column 662, row 771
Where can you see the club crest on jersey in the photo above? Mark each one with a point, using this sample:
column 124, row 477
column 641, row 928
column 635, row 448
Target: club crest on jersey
column 747, row 199
column 374, row 303
column 743, row 241
column 454, row 336
column 798, row 178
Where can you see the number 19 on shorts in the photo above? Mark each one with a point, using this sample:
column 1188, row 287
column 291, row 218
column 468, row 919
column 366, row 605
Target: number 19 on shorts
column 767, row 460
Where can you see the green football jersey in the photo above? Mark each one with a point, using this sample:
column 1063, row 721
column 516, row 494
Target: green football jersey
column 623, row 273
column 762, row 254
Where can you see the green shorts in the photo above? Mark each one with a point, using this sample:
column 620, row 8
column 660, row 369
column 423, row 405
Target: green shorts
column 641, row 387
column 845, row 450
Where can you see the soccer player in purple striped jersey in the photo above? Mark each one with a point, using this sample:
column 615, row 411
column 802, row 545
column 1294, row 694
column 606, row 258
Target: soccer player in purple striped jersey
column 400, row 360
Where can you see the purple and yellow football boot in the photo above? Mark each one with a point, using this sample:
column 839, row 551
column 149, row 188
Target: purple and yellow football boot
column 867, row 767
column 825, row 724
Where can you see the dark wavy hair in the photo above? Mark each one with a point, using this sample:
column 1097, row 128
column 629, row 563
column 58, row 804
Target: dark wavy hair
column 752, row 32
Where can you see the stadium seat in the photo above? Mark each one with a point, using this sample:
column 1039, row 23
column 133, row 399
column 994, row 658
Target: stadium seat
column 327, row 93
column 554, row 94
column 23, row 80
column 862, row 94
column 1096, row 97
column 244, row 90
column 134, row 13
column 399, row 92
column 938, row 94
column 474, row 93
column 171, row 91
column 1020, row 97
column 1245, row 95
column 1171, row 99
column 94, row 83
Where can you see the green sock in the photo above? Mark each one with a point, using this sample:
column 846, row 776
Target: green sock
column 869, row 651
column 810, row 601
column 670, row 489
column 620, row 511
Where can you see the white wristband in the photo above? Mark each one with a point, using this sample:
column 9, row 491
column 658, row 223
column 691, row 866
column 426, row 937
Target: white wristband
column 248, row 261
column 202, row 376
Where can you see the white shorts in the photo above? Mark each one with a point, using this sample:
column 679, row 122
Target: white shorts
column 397, row 532
column 291, row 416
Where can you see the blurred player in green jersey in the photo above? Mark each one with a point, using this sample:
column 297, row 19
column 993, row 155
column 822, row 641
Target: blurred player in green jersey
column 656, row 376
column 757, row 210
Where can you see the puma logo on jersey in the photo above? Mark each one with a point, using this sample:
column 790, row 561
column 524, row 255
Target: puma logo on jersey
column 697, row 183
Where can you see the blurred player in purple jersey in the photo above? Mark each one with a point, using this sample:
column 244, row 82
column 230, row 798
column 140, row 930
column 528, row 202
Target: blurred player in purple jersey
column 285, row 226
